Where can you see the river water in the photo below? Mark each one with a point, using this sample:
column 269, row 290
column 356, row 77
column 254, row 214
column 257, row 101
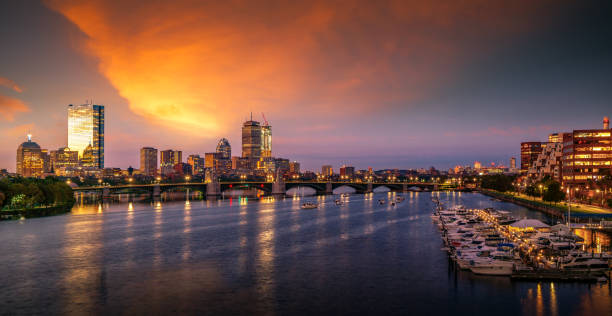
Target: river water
column 263, row 256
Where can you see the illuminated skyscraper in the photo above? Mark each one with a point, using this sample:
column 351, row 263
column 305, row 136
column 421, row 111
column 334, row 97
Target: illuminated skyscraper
column 224, row 148
column 251, row 140
column 513, row 163
column 86, row 128
column 29, row 159
column 148, row 161
column 266, row 141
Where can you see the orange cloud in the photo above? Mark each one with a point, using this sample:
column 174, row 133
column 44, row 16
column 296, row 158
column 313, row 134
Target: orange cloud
column 10, row 84
column 202, row 66
column 9, row 107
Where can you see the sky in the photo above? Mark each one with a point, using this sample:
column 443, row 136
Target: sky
column 382, row 84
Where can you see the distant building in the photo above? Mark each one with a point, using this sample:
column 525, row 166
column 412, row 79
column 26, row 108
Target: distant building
column 347, row 171
column 477, row 165
column 148, row 161
column 168, row 159
column 29, row 160
column 327, row 170
column 587, row 154
column 240, row 163
column 224, row 148
column 266, row 141
column 529, row 154
column 197, row 164
column 294, row 167
column 86, row 128
column 513, row 163
column 282, row 165
column 251, row 140
column 211, row 160
column 63, row 158
column 182, row 169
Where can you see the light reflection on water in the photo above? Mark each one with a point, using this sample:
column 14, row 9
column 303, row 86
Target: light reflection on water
column 241, row 256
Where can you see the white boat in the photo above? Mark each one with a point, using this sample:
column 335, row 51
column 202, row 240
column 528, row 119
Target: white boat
column 493, row 267
column 586, row 264
column 309, row 205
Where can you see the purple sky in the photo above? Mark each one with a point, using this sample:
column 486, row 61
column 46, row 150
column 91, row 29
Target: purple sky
column 384, row 84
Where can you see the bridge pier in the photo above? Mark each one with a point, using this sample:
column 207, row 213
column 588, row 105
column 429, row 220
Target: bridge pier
column 404, row 187
column 156, row 190
column 435, row 187
column 369, row 188
column 213, row 188
column 328, row 188
column 106, row 193
column 279, row 188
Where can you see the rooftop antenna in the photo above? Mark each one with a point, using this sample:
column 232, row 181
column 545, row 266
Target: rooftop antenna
column 251, row 115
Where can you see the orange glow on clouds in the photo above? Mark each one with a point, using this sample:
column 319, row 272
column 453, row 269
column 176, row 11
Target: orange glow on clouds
column 203, row 66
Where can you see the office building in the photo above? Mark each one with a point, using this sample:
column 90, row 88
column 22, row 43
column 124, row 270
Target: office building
column 529, row 154
column 266, row 141
column 197, row 164
column 211, row 160
column 168, row 159
column 29, row 160
column 587, row 154
column 347, row 171
column 513, row 163
column 86, row 128
column 294, row 167
column 148, row 161
column 556, row 137
column 64, row 158
column 251, row 140
column 327, row 171
column 548, row 162
column 282, row 165
column 224, row 149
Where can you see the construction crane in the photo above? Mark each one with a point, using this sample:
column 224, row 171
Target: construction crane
column 264, row 117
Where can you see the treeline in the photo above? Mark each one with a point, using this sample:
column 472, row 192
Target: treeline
column 22, row 193
column 548, row 189
column 498, row 182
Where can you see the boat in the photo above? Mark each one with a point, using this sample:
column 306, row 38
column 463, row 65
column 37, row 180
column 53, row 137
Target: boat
column 493, row 267
column 381, row 202
column 400, row 199
column 339, row 202
column 309, row 205
column 586, row 264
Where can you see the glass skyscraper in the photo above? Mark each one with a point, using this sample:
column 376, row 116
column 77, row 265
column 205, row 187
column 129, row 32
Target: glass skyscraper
column 86, row 128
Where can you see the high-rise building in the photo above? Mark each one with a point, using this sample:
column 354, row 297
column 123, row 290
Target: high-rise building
column 513, row 163
column 224, row 148
column 294, row 167
column 556, row 137
column 148, row 161
column 327, row 170
column 197, row 164
column 529, row 154
column 347, row 171
column 29, row 159
column 64, row 158
column 211, row 160
column 477, row 165
column 251, row 140
column 266, row 141
column 168, row 159
column 587, row 154
column 86, row 128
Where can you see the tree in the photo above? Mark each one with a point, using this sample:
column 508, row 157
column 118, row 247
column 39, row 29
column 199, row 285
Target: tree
column 532, row 190
column 553, row 192
column 498, row 182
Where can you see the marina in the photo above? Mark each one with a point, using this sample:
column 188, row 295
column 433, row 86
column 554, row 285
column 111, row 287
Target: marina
column 493, row 242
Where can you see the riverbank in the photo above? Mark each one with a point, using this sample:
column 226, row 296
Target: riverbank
column 556, row 211
column 35, row 212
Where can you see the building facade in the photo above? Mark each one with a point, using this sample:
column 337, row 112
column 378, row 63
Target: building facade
column 148, row 161
column 327, row 171
column 168, row 159
column 529, row 154
column 294, row 167
column 29, row 160
column 347, row 171
column 548, row 162
column 266, row 141
column 86, row 128
column 63, row 158
column 224, row 148
column 197, row 164
column 587, row 155
column 251, row 140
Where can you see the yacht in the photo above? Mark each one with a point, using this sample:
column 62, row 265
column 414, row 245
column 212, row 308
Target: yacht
column 309, row 205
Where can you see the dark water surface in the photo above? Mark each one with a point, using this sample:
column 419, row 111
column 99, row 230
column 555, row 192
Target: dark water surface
column 262, row 257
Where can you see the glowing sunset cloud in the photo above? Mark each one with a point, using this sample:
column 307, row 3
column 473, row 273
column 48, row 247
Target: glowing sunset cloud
column 202, row 66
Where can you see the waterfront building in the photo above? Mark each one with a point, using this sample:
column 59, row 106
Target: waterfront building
column 197, row 164
column 63, row 158
column 29, row 160
column 86, row 128
column 548, row 162
column 294, row 167
column 327, row 171
column 587, row 154
column 224, row 148
column 168, row 159
column 266, row 141
column 148, row 161
column 251, row 140
column 347, row 171
column 529, row 154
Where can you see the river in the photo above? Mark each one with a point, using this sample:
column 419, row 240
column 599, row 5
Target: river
column 263, row 256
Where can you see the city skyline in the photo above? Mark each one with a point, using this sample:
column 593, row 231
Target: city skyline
column 529, row 78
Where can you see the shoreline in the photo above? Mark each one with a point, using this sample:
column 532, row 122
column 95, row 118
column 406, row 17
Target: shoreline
column 7, row 215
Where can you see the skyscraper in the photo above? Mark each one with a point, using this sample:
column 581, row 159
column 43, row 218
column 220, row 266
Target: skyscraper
column 224, row 148
column 327, row 170
column 29, row 159
column 168, row 159
column 197, row 164
column 86, row 128
column 251, row 140
column 266, row 141
column 513, row 163
column 148, row 161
